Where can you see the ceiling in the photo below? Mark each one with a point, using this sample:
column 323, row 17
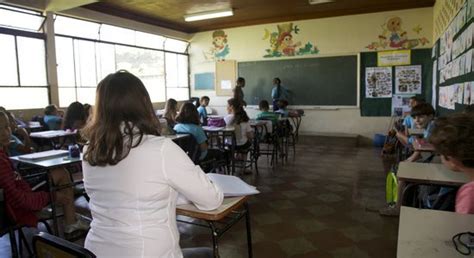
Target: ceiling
column 169, row 13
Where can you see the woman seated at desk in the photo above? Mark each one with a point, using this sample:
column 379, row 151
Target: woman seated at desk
column 133, row 176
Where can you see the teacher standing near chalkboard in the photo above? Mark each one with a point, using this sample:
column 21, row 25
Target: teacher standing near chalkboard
column 278, row 93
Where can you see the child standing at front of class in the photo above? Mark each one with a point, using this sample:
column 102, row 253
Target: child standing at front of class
column 453, row 138
column 204, row 102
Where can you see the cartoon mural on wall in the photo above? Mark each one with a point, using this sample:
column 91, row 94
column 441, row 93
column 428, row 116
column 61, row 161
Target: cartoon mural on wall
column 220, row 49
column 283, row 44
column 394, row 37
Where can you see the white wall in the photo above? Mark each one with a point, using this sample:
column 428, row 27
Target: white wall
column 333, row 36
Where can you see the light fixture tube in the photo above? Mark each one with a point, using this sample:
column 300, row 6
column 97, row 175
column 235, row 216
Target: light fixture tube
column 208, row 15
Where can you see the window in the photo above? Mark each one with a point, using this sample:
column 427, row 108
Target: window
column 177, row 84
column 83, row 60
column 23, row 83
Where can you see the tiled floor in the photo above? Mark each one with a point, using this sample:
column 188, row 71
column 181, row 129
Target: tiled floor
column 321, row 204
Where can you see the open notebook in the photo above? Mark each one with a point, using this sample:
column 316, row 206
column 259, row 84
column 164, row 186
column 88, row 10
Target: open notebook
column 44, row 155
column 232, row 186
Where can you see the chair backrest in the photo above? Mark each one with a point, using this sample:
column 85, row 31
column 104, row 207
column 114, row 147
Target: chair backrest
column 191, row 147
column 49, row 246
column 4, row 220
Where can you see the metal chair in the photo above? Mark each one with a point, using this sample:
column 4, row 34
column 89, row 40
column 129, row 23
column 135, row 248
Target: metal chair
column 46, row 246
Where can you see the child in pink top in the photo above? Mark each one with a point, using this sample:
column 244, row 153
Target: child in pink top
column 453, row 138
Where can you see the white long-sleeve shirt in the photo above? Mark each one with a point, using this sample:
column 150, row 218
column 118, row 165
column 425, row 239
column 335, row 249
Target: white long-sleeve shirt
column 133, row 203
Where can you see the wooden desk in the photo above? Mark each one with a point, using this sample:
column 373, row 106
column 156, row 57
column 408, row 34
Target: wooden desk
column 428, row 233
column 229, row 213
column 49, row 164
column 426, row 173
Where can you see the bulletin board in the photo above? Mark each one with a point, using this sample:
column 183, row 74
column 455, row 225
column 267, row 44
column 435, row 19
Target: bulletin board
column 226, row 75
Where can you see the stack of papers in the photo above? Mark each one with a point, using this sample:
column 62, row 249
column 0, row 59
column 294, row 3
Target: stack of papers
column 212, row 128
column 44, row 155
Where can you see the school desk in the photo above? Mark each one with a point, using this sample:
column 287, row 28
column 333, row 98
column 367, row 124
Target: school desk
column 427, row 173
column 52, row 136
column 428, row 233
column 227, row 215
column 49, row 164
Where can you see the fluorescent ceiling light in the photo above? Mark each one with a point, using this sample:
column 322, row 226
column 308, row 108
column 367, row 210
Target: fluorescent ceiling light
column 320, row 1
column 208, row 15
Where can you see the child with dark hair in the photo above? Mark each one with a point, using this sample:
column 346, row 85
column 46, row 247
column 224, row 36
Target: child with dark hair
column 408, row 120
column 265, row 114
column 239, row 119
column 453, row 138
column 282, row 107
column 204, row 102
column 423, row 116
column 171, row 111
column 20, row 141
column 75, row 117
column 238, row 91
column 51, row 117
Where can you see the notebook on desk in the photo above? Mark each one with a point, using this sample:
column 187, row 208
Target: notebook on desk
column 44, row 155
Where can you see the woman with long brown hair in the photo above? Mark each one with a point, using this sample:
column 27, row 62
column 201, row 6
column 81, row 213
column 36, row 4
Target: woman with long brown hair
column 133, row 176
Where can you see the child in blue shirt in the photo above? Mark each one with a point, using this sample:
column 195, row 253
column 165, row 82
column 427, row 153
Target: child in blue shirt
column 51, row 117
column 188, row 123
column 204, row 102
column 282, row 108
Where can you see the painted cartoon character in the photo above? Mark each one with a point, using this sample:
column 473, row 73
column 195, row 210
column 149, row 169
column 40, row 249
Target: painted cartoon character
column 393, row 36
column 285, row 44
column 220, row 47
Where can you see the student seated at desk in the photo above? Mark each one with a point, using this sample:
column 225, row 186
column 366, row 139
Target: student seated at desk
column 21, row 201
column 265, row 114
column 171, row 111
column 133, row 176
column 188, row 123
column 282, row 108
column 408, row 121
column 238, row 118
column 75, row 117
column 423, row 115
column 20, row 142
column 453, row 138
column 51, row 117
column 204, row 102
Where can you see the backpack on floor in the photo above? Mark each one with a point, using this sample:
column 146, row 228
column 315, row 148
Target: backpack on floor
column 391, row 188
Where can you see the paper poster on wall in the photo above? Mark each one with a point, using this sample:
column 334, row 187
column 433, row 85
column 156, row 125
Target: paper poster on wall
column 468, row 87
column 400, row 104
column 458, row 90
column 408, row 79
column 392, row 58
column 434, row 83
column 446, row 99
column 468, row 66
column 226, row 84
column 378, row 82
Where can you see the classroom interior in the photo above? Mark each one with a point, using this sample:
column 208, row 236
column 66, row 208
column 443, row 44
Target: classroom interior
column 322, row 193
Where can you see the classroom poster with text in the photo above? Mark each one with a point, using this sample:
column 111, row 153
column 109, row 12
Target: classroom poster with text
column 378, row 82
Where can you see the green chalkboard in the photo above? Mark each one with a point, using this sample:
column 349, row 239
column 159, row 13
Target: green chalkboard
column 324, row 81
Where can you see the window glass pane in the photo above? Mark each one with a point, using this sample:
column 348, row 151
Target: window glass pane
column 65, row 62
column 86, row 95
column 8, row 66
column 146, row 65
column 177, row 93
column 117, row 34
column 24, row 98
column 66, row 96
column 182, row 71
column 171, row 70
column 32, row 60
column 84, row 56
column 75, row 27
column 105, row 60
column 19, row 20
column 175, row 45
column 149, row 40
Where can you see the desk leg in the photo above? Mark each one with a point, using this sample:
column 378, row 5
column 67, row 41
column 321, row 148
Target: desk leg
column 249, row 231
column 215, row 236
column 53, row 205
